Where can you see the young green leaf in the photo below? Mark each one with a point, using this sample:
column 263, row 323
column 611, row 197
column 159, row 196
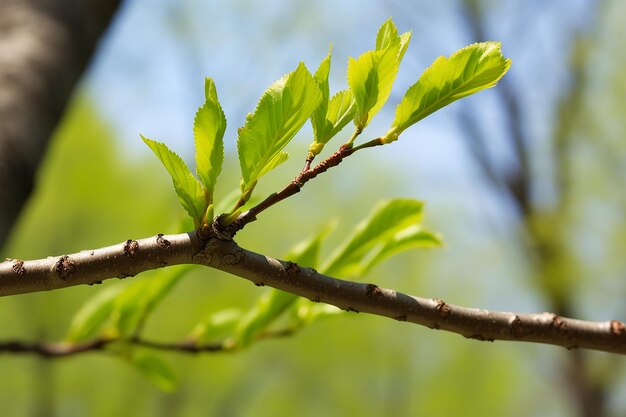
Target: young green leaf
column 467, row 71
column 156, row 370
column 412, row 237
column 332, row 116
column 370, row 78
column 209, row 126
column 275, row 302
column 386, row 221
column 387, row 35
column 210, row 92
column 216, row 327
column 281, row 112
column 133, row 305
column 188, row 188
column 94, row 315
column 339, row 113
column 318, row 118
column 321, row 78
column 372, row 75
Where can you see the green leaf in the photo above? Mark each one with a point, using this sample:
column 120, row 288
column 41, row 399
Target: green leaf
column 412, row 237
column 188, row 188
column 332, row 116
column 275, row 302
column 387, row 35
column 341, row 110
column 387, row 219
column 405, row 39
column 156, row 370
column 372, row 75
column 306, row 253
column 209, row 128
column 467, row 71
column 121, row 312
column 94, row 315
column 133, row 306
column 307, row 312
column 216, row 327
column 321, row 77
column 281, row 112
column 318, row 118
column 210, row 92
column 370, row 78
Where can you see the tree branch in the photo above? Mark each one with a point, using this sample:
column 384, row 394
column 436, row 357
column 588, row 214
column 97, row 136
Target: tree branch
column 134, row 256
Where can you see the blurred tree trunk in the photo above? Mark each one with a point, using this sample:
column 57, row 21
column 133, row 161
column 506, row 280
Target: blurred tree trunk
column 45, row 46
column 544, row 226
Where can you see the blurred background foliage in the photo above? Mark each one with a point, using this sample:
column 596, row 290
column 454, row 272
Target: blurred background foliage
column 564, row 95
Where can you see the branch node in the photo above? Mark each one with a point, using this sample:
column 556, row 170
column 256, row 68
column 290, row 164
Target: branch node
column 559, row 323
column 18, row 267
column 518, row 330
column 444, row 309
column 162, row 242
column 292, row 268
column 618, row 328
column 373, row 290
column 131, row 247
column 65, row 267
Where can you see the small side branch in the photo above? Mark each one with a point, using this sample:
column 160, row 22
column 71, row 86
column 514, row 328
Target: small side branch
column 292, row 188
column 128, row 258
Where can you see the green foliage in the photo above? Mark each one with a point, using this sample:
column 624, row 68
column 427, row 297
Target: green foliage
column 288, row 103
column 216, row 327
column 120, row 310
column 467, row 71
column 275, row 302
column 392, row 227
column 156, row 370
column 133, row 305
column 190, row 191
column 208, row 129
column 282, row 110
column 378, row 236
column 372, row 75
column 333, row 114
column 90, row 320
column 209, row 126
column 411, row 237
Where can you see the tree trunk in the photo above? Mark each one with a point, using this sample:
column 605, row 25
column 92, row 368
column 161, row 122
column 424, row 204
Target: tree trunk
column 45, row 46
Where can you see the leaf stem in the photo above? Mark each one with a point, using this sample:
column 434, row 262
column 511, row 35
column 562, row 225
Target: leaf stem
column 374, row 142
column 356, row 133
column 230, row 225
column 292, row 188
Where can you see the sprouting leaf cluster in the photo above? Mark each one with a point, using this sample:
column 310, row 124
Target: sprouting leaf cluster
column 300, row 96
column 119, row 313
